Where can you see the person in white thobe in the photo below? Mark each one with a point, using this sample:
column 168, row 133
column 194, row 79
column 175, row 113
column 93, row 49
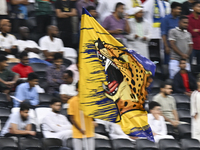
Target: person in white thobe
column 195, row 112
column 55, row 125
column 157, row 122
column 140, row 32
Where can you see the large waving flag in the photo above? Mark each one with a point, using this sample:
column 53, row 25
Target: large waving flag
column 113, row 80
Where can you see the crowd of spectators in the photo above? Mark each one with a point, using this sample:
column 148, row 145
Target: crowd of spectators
column 174, row 30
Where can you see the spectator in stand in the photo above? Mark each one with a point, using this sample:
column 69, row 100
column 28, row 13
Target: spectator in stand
column 187, row 7
column 157, row 122
column 106, row 8
column 18, row 14
column 55, row 75
column 181, row 43
column 23, row 69
column 140, row 33
column 31, row 47
column 92, row 11
column 18, row 123
column 184, row 82
column 56, row 125
column 3, row 10
column 195, row 112
column 51, row 44
column 169, row 22
column 68, row 89
column 26, row 92
column 7, row 77
column 65, row 10
column 7, row 41
column 83, row 3
column 77, row 131
column 194, row 29
column 168, row 104
column 43, row 15
column 116, row 24
column 154, row 16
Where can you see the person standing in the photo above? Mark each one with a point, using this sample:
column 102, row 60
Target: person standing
column 194, row 29
column 139, row 33
column 187, row 7
column 78, row 132
column 65, row 10
column 169, row 22
column 181, row 43
column 116, row 24
column 195, row 112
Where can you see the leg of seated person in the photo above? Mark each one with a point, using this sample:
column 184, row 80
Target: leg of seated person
column 36, row 60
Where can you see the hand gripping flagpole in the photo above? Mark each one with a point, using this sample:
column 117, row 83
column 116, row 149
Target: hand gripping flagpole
column 83, row 127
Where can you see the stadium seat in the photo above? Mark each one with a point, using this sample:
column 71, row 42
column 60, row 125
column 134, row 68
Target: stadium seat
column 41, row 112
column 45, row 99
column 29, row 144
column 10, row 65
column 184, row 131
column 43, row 83
column 190, row 144
column 39, row 69
column 170, row 131
column 31, row 10
column 156, row 86
column 168, row 144
column 182, row 101
column 184, row 115
column 102, row 144
column 195, row 69
column 144, row 144
column 101, row 129
column 150, row 97
column 51, row 143
column 3, row 100
column 122, row 144
column 4, row 114
column 7, row 144
column 31, row 23
column 165, row 71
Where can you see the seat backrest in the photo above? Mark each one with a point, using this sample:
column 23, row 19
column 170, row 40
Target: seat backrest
column 10, row 65
column 7, row 142
column 102, row 144
column 165, row 144
column 27, row 143
column 4, row 114
column 101, row 129
column 184, row 131
column 37, row 67
column 190, row 144
column 142, row 144
column 51, row 142
column 181, row 98
column 44, row 97
column 119, row 144
column 184, row 115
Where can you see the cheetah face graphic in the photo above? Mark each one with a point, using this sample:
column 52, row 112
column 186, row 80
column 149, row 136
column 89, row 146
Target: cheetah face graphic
column 127, row 79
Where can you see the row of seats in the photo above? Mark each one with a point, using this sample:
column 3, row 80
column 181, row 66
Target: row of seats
column 100, row 144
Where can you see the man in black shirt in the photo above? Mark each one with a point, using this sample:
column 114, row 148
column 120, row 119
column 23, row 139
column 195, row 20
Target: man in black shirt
column 187, row 7
column 65, row 9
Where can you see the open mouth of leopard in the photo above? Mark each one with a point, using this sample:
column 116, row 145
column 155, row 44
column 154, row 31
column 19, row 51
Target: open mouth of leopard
column 114, row 76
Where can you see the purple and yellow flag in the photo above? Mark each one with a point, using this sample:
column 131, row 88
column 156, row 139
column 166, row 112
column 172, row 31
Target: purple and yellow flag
column 113, row 80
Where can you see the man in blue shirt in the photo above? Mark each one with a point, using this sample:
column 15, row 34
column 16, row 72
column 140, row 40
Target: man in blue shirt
column 27, row 91
column 169, row 22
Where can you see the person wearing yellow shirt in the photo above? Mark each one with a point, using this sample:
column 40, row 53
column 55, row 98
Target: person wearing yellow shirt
column 79, row 133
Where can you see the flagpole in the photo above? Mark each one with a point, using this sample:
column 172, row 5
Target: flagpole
column 83, row 127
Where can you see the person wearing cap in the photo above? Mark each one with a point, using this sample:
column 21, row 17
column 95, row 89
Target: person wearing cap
column 140, row 32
